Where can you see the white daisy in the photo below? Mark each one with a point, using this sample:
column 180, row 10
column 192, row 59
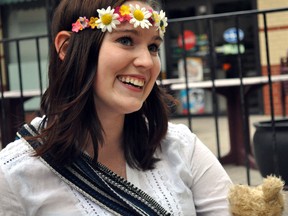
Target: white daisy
column 107, row 19
column 162, row 24
column 140, row 16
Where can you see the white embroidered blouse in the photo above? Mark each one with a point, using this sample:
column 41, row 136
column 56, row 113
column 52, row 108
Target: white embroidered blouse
column 188, row 181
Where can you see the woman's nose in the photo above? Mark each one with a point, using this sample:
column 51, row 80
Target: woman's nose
column 144, row 59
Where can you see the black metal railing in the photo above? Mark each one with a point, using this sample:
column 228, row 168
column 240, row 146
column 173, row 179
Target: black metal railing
column 19, row 82
column 209, row 21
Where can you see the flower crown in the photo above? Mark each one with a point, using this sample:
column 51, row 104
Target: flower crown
column 108, row 19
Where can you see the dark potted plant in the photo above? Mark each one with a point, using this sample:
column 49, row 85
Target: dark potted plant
column 264, row 148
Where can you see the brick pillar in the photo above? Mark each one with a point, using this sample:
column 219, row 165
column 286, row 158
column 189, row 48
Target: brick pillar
column 278, row 45
column 276, row 90
column 284, row 70
column 2, row 62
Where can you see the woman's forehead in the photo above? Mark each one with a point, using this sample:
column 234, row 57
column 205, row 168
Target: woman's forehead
column 140, row 3
column 129, row 28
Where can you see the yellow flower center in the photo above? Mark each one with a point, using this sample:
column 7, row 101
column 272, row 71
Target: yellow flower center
column 156, row 17
column 138, row 14
column 106, row 19
column 124, row 10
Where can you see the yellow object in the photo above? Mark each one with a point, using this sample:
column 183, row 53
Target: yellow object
column 266, row 199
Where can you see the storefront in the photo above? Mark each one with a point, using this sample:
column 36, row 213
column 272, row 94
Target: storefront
column 198, row 60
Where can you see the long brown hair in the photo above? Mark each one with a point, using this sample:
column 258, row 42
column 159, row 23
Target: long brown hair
column 68, row 105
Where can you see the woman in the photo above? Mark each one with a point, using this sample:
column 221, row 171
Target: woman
column 104, row 145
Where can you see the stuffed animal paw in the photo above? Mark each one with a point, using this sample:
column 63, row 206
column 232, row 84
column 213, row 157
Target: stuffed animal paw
column 264, row 200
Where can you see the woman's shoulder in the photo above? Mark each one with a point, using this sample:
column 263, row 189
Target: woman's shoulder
column 18, row 153
column 178, row 128
column 31, row 184
column 180, row 141
column 15, row 154
column 180, row 134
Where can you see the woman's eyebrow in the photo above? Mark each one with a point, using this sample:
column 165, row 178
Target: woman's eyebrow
column 135, row 32
column 158, row 38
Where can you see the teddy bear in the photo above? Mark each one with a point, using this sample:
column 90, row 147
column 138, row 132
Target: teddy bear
column 266, row 199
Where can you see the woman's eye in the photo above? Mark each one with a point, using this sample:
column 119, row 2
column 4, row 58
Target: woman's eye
column 127, row 41
column 153, row 48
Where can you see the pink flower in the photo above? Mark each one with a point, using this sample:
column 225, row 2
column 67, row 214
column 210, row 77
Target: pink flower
column 76, row 26
column 124, row 13
column 80, row 24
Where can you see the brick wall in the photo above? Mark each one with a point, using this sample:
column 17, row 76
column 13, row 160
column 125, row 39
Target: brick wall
column 277, row 25
column 277, row 94
column 2, row 63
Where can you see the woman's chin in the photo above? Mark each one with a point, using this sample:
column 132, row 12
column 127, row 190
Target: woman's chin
column 133, row 108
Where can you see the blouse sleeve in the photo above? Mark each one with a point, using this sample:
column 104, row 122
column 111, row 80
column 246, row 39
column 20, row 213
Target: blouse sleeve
column 9, row 204
column 211, row 183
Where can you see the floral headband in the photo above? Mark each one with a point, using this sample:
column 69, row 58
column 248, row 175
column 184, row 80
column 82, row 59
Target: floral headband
column 109, row 19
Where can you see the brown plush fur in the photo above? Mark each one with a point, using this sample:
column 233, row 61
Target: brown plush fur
column 264, row 200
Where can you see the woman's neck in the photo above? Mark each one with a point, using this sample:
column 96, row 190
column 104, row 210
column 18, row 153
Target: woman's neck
column 113, row 129
column 111, row 153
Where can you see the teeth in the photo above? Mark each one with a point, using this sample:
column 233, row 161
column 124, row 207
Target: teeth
column 131, row 80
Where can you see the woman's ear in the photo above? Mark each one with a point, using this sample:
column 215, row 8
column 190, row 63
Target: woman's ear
column 61, row 43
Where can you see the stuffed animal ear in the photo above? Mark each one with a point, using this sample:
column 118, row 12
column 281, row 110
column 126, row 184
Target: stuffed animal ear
column 265, row 199
column 272, row 188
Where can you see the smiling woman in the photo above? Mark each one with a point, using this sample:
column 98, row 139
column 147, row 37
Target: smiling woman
column 104, row 145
